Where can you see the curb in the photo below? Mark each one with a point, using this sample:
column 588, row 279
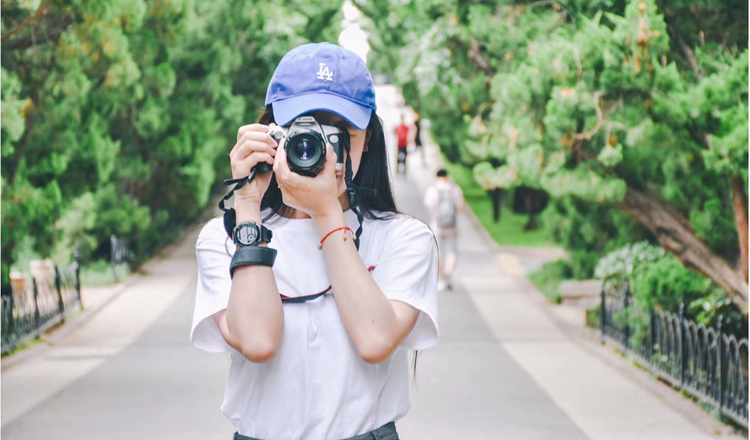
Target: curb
column 52, row 338
column 584, row 338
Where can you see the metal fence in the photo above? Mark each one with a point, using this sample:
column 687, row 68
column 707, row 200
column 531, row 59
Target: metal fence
column 44, row 302
column 119, row 253
column 702, row 361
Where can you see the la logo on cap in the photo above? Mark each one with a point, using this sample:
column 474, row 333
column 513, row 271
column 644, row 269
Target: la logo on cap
column 324, row 73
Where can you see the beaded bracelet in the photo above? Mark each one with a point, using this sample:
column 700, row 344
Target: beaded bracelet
column 344, row 228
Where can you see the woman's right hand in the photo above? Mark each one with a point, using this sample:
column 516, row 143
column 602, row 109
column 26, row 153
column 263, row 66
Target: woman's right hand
column 254, row 145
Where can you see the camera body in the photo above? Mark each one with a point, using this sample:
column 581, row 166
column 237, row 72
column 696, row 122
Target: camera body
column 305, row 145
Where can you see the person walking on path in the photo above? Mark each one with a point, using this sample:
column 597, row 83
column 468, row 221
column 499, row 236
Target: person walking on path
column 319, row 320
column 402, row 137
column 444, row 200
column 418, row 138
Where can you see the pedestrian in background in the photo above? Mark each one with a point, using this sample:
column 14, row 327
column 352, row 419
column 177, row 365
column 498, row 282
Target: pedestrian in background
column 402, row 144
column 418, row 137
column 319, row 320
column 444, row 200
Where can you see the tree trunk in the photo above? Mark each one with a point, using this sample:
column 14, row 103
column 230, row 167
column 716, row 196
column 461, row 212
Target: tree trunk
column 740, row 219
column 675, row 234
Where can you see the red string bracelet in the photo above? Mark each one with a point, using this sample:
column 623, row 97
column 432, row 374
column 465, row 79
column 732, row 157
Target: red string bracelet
column 344, row 228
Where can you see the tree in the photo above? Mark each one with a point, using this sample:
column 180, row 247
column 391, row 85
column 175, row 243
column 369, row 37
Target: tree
column 641, row 108
column 117, row 114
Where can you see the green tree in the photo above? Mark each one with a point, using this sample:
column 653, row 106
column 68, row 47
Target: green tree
column 639, row 107
column 117, row 114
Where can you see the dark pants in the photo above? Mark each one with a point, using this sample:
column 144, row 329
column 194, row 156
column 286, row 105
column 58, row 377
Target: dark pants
column 385, row 432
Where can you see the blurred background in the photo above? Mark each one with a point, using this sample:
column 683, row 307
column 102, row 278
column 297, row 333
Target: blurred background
column 601, row 146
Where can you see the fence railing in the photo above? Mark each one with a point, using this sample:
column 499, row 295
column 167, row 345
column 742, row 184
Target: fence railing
column 118, row 254
column 44, row 302
column 702, row 361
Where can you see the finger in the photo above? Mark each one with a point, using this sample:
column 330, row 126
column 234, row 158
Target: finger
column 331, row 159
column 280, row 166
column 243, row 167
column 251, row 127
column 249, row 147
column 258, row 137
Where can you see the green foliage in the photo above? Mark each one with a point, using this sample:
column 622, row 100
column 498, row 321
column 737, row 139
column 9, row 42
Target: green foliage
column 117, row 115
column 658, row 280
column 585, row 100
column 509, row 231
column 548, row 278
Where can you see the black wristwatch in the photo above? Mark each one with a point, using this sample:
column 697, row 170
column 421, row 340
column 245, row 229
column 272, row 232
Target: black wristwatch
column 250, row 234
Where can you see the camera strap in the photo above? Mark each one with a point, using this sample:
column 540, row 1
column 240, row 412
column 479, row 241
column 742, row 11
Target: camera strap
column 230, row 216
column 354, row 191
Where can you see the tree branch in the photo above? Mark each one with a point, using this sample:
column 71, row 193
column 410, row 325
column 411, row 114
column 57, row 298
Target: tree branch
column 685, row 49
column 29, row 41
column 24, row 24
column 674, row 233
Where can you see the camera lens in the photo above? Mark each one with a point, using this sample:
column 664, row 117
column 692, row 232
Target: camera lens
column 304, row 149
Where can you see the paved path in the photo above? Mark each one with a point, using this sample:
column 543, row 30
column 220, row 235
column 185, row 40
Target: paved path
column 502, row 369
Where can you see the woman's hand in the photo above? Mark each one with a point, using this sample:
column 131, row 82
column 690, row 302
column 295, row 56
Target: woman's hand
column 315, row 196
column 254, row 145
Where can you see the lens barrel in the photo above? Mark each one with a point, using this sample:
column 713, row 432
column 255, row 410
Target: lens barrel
column 305, row 152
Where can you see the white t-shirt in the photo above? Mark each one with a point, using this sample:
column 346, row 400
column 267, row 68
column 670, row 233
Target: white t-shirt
column 317, row 386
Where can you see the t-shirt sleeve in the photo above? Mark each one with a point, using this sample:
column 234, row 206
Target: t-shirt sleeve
column 407, row 272
column 212, row 290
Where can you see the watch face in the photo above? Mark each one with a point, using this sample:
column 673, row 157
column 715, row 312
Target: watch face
column 247, row 234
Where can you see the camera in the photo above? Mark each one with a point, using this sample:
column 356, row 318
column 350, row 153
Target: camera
column 306, row 145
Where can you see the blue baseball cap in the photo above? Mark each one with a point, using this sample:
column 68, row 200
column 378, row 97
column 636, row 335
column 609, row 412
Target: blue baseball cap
column 322, row 77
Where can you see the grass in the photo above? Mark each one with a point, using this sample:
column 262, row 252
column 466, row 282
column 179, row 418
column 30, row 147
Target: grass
column 509, row 230
column 548, row 279
column 28, row 344
column 99, row 273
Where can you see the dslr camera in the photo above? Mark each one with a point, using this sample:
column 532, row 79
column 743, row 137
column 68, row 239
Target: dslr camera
column 306, row 145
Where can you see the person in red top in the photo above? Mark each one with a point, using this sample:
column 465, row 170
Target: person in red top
column 402, row 134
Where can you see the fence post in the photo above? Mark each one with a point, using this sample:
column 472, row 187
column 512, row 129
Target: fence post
column 627, row 318
column 603, row 313
column 61, row 303
column 37, row 315
column 113, row 256
column 720, row 364
column 651, row 336
column 683, row 346
column 77, row 263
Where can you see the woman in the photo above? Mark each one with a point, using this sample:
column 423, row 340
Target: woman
column 320, row 340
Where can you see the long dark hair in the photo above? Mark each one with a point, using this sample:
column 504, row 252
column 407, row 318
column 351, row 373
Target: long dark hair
column 372, row 173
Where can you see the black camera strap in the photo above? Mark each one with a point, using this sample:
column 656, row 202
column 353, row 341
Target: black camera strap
column 230, row 216
column 354, row 191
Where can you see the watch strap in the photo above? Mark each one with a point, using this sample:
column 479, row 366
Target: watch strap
column 265, row 234
column 252, row 256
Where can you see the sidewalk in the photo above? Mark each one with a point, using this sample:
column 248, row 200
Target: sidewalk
column 596, row 398
column 503, row 367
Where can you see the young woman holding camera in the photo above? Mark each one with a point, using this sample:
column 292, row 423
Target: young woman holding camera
column 319, row 319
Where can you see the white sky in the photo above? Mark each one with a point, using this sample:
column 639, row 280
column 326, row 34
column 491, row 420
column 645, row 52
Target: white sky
column 353, row 37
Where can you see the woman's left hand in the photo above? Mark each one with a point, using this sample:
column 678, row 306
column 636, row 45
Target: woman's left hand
column 315, row 196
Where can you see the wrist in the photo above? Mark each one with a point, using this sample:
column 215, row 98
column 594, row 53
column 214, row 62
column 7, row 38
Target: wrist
column 247, row 210
column 330, row 220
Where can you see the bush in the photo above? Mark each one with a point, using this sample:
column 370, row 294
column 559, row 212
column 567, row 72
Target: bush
column 658, row 280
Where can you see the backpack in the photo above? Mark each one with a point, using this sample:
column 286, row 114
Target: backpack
column 445, row 214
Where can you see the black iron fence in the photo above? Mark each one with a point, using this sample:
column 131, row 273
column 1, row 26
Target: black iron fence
column 42, row 302
column 702, row 361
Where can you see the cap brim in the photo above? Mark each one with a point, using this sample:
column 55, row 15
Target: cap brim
column 287, row 110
